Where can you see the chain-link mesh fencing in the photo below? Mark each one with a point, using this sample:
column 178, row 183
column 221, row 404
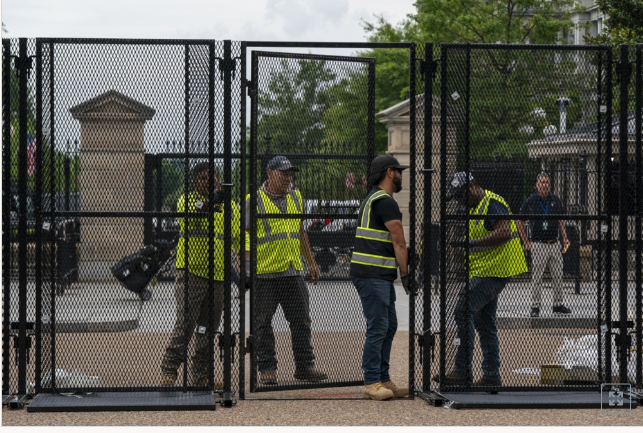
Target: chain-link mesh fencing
column 525, row 131
column 312, row 130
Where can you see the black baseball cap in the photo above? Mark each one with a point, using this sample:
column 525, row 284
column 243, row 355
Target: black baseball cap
column 384, row 162
column 280, row 163
column 458, row 183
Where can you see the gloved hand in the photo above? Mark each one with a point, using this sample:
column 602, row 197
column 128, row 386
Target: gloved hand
column 247, row 275
column 463, row 243
column 406, row 283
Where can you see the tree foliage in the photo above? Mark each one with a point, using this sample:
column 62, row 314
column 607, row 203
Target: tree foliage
column 624, row 24
column 308, row 108
column 506, row 87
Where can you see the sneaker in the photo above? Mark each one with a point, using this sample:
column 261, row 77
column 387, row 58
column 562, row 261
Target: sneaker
column 310, row 374
column 535, row 312
column 397, row 392
column 452, row 378
column 377, row 391
column 167, row 380
column 561, row 309
column 268, row 377
column 487, row 382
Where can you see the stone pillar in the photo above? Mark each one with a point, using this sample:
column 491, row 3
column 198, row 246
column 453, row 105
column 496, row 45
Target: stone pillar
column 397, row 120
column 111, row 179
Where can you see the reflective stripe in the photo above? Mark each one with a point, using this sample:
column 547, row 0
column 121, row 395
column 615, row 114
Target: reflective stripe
column 514, row 235
column 377, row 235
column 294, row 198
column 202, row 234
column 371, row 260
column 277, row 237
column 262, row 210
column 366, row 212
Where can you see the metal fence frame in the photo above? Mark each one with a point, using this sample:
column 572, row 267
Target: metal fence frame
column 423, row 69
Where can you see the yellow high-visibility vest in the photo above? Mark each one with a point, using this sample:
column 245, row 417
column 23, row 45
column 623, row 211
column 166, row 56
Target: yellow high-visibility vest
column 502, row 261
column 197, row 235
column 278, row 243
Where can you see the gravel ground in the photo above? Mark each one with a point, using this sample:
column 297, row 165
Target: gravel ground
column 310, row 408
column 327, row 412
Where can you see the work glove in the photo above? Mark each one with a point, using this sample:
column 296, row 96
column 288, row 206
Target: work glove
column 406, row 283
column 247, row 275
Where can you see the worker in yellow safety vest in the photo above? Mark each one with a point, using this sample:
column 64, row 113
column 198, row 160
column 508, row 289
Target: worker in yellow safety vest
column 192, row 289
column 494, row 256
column 280, row 244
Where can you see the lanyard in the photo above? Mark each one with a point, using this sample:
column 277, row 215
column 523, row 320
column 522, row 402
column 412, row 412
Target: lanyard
column 545, row 209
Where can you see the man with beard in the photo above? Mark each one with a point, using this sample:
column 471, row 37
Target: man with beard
column 280, row 244
column 379, row 250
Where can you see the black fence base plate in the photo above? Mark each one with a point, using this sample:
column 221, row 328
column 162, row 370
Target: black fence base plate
column 528, row 400
column 123, row 401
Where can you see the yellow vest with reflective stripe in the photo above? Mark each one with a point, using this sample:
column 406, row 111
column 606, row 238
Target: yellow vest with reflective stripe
column 197, row 235
column 278, row 244
column 373, row 249
column 502, row 261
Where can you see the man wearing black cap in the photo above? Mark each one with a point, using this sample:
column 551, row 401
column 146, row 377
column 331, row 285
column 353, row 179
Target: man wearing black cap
column 379, row 250
column 280, row 244
column 495, row 255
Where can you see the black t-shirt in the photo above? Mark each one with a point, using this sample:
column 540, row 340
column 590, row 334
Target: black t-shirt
column 543, row 230
column 382, row 210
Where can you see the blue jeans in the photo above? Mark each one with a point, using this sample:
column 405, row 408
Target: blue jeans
column 378, row 304
column 483, row 303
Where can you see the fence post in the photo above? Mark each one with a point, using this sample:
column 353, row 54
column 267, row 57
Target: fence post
column 22, row 216
column 6, row 213
column 639, row 214
column 625, row 74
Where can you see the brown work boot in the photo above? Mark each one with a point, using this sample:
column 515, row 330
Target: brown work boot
column 204, row 382
column 167, row 380
column 268, row 377
column 488, row 382
column 377, row 391
column 452, row 378
column 310, row 374
column 397, row 392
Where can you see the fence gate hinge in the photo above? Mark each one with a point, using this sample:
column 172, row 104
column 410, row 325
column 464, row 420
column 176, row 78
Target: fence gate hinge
column 430, row 65
column 623, row 70
column 250, row 86
column 248, row 344
column 18, row 61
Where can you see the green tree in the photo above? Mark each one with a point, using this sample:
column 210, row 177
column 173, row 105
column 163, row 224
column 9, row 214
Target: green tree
column 308, row 107
column 624, row 24
column 497, row 78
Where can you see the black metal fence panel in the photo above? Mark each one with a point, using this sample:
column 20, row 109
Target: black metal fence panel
column 313, row 341
column 116, row 328
column 101, row 139
column 543, row 116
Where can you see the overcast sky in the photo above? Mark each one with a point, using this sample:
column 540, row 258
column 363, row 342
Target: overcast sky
column 81, row 73
column 258, row 20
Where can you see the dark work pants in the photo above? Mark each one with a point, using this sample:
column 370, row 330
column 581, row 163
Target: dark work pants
column 195, row 322
column 292, row 294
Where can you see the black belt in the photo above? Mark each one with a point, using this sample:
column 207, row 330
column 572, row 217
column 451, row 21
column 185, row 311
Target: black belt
column 553, row 241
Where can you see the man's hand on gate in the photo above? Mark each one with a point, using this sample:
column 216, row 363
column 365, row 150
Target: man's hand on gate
column 406, row 283
column 313, row 273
